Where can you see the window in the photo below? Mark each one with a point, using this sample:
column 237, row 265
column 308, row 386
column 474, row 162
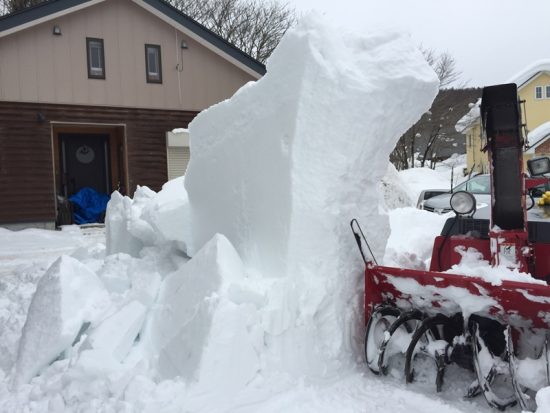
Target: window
column 547, row 92
column 96, row 58
column 538, row 92
column 153, row 67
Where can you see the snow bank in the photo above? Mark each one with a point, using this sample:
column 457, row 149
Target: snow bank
column 67, row 296
column 396, row 193
column 411, row 241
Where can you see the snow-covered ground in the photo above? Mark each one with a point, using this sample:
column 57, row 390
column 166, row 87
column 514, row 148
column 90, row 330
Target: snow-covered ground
column 26, row 255
column 238, row 288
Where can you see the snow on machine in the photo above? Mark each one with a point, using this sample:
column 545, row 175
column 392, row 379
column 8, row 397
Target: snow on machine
column 495, row 324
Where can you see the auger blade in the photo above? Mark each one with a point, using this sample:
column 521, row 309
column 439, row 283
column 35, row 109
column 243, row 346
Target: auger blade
column 376, row 334
column 525, row 402
column 489, row 370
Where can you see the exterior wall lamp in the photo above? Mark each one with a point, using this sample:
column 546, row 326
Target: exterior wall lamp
column 56, row 30
column 184, row 45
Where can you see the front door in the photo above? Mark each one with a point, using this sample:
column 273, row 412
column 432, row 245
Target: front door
column 84, row 162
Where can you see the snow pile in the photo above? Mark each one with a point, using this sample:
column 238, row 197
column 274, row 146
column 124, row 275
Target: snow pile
column 148, row 219
column 473, row 264
column 273, row 287
column 396, row 193
column 418, row 179
column 200, row 311
column 67, row 296
column 411, row 241
column 282, row 179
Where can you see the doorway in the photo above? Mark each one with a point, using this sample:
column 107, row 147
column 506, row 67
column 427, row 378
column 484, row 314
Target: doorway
column 84, row 162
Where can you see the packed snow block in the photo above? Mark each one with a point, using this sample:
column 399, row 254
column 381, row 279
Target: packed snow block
column 195, row 331
column 284, row 165
column 68, row 295
column 168, row 213
column 148, row 219
column 116, row 334
column 282, row 179
column 118, row 237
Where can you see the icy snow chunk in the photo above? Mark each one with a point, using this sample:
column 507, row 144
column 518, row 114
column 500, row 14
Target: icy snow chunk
column 195, row 330
column 284, row 165
column 168, row 212
column 68, row 295
column 117, row 333
column 117, row 221
column 148, row 219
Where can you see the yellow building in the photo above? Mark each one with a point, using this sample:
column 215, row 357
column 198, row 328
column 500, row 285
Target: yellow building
column 533, row 88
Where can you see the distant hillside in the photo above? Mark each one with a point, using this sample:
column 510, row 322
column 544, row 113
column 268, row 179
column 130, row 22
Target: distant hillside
column 435, row 134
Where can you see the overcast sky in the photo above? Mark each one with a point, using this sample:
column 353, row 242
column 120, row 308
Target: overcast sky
column 491, row 40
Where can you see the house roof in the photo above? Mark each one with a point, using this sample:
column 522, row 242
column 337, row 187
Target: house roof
column 523, row 77
column 52, row 9
column 520, row 79
column 538, row 136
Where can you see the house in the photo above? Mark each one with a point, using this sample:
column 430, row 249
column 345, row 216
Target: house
column 534, row 89
column 89, row 90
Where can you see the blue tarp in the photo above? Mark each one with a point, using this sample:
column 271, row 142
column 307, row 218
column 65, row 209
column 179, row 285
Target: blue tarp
column 88, row 206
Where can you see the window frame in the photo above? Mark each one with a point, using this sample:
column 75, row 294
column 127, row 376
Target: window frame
column 89, row 41
column 537, row 88
column 159, row 56
column 546, row 91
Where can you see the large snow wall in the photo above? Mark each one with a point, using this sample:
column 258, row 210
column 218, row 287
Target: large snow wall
column 283, row 166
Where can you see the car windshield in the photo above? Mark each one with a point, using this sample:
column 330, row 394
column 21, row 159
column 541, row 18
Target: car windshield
column 480, row 184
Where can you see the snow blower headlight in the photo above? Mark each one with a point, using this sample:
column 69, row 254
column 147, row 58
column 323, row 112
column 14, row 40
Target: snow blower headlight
column 463, row 203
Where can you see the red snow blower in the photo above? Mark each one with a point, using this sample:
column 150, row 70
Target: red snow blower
column 496, row 328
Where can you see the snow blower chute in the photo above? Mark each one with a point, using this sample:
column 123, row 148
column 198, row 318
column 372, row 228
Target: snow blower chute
column 496, row 327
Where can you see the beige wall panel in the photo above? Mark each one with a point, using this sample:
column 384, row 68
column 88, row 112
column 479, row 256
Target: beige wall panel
column 45, row 74
column 61, row 55
column 9, row 67
column 127, row 58
column 38, row 66
column 28, row 65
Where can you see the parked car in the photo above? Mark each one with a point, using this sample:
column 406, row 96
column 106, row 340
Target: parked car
column 479, row 186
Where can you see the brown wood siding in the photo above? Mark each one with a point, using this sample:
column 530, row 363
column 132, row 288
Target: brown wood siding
column 26, row 167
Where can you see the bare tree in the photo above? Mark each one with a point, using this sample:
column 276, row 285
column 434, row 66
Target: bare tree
column 405, row 152
column 12, row 6
column 254, row 26
column 443, row 64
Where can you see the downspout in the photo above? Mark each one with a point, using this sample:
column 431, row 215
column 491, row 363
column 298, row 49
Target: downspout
column 179, row 67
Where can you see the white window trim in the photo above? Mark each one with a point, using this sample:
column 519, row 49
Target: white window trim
column 546, row 90
column 537, row 88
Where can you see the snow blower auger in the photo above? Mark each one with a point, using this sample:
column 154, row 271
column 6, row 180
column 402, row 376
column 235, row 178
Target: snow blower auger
column 497, row 329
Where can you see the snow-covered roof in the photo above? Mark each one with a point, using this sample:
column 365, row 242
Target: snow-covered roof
column 520, row 79
column 469, row 118
column 537, row 136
